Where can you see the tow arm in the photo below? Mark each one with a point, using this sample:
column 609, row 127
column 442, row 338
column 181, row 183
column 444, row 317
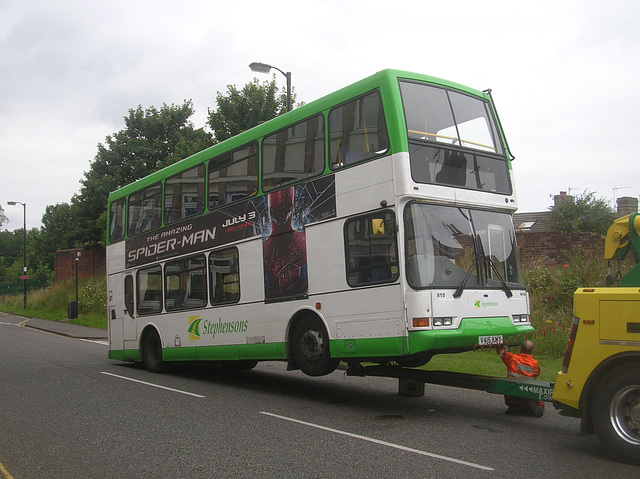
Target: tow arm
column 411, row 382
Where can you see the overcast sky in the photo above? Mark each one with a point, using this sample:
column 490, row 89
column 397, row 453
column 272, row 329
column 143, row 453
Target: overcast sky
column 564, row 76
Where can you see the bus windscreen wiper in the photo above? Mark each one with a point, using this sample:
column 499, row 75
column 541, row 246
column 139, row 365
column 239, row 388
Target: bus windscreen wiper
column 460, row 288
column 506, row 288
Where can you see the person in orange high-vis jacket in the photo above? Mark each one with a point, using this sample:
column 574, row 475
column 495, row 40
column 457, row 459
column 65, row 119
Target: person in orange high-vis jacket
column 521, row 365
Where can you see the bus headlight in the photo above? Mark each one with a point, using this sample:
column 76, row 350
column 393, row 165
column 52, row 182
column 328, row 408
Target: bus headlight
column 442, row 321
column 520, row 318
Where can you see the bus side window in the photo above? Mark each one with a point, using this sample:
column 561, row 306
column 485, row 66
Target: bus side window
column 292, row 154
column 224, row 276
column 184, row 194
column 357, row 131
column 185, row 283
column 128, row 294
column 149, row 290
column 371, row 250
column 233, row 176
column 144, row 209
column 116, row 221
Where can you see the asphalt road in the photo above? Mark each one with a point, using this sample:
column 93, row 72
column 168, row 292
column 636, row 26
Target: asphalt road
column 66, row 411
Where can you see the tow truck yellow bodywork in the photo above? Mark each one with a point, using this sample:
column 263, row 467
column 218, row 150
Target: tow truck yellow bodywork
column 600, row 377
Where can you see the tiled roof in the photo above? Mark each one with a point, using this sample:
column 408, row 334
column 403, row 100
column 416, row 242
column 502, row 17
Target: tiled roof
column 533, row 222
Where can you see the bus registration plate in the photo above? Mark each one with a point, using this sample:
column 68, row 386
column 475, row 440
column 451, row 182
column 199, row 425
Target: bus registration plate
column 489, row 340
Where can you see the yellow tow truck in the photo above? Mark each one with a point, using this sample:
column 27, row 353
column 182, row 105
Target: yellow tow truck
column 600, row 377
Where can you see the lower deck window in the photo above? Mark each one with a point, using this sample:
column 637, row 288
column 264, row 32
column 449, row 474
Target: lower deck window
column 371, row 249
column 186, row 283
column 149, row 290
column 224, row 276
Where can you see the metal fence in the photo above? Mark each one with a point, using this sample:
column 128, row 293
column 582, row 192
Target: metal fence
column 16, row 288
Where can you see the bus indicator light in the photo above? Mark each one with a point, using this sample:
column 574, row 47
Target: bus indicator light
column 420, row 322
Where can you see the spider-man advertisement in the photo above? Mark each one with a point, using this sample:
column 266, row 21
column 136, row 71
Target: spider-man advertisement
column 284, row 243
column 279, row 217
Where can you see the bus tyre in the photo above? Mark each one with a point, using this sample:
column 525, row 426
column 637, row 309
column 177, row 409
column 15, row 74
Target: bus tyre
column 616, row 413
column 152, row 352
column 310, row 347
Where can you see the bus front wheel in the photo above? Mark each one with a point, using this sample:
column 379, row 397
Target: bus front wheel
column 310, row 347
column 152, row 352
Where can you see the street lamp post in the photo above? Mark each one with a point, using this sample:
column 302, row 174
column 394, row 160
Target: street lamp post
column 24, row 248
column 78, row 253
column 264, row 68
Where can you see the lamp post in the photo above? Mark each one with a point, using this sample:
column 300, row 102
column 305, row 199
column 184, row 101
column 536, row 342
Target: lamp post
column 264, row 68
column 72, row 312
column 24, row 276
column 78, row 253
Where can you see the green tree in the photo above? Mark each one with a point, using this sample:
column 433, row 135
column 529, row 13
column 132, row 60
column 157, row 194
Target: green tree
column 39, row 266
column 150, row 140
column 3, row 217
column 240, row 110
column 60, row 230
column 586, row 214
column 10, row 252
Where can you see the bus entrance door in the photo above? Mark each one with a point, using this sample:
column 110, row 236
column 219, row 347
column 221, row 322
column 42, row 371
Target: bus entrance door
column 129, row 330
column 116, row 310
column 122, row 325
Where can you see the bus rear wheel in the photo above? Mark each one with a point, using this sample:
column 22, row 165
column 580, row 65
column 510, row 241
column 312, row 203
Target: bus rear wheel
column 152, row 352
column 310, row 348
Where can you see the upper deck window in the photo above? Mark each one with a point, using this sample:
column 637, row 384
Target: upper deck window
column 116, row 221
column 184, row 194
column 453, row 139
column 357, row 131
column 145, row 207
column 293, row 154
column 233, row 176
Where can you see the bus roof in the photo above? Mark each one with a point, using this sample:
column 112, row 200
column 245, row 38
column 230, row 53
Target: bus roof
column 387, row 79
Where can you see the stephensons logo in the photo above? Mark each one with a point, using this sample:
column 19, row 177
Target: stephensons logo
column 485, row 304
column 199, row 327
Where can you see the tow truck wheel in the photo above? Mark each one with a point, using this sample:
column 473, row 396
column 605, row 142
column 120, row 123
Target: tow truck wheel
column 616, row 413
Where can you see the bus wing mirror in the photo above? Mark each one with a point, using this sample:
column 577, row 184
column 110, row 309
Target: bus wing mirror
column 377, row 226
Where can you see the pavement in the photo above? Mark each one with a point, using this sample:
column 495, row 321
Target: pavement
column 62, row 328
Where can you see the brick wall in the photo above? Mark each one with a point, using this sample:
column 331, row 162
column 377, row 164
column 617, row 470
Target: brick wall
column 550, row 245
column 91, row 263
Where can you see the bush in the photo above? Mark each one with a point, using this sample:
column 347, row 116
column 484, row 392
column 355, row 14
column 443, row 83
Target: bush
column 586, row 214
column 92, row 296
column 551, row 291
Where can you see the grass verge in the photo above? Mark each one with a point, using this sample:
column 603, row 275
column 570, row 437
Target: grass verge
column 52, row 302
column 487, row 363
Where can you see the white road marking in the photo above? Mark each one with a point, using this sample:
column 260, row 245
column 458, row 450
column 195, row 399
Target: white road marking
column 104, row 342
column 382, row 443
column 153, row 385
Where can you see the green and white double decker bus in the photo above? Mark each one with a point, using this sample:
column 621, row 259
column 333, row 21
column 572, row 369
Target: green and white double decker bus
column 373, row 224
